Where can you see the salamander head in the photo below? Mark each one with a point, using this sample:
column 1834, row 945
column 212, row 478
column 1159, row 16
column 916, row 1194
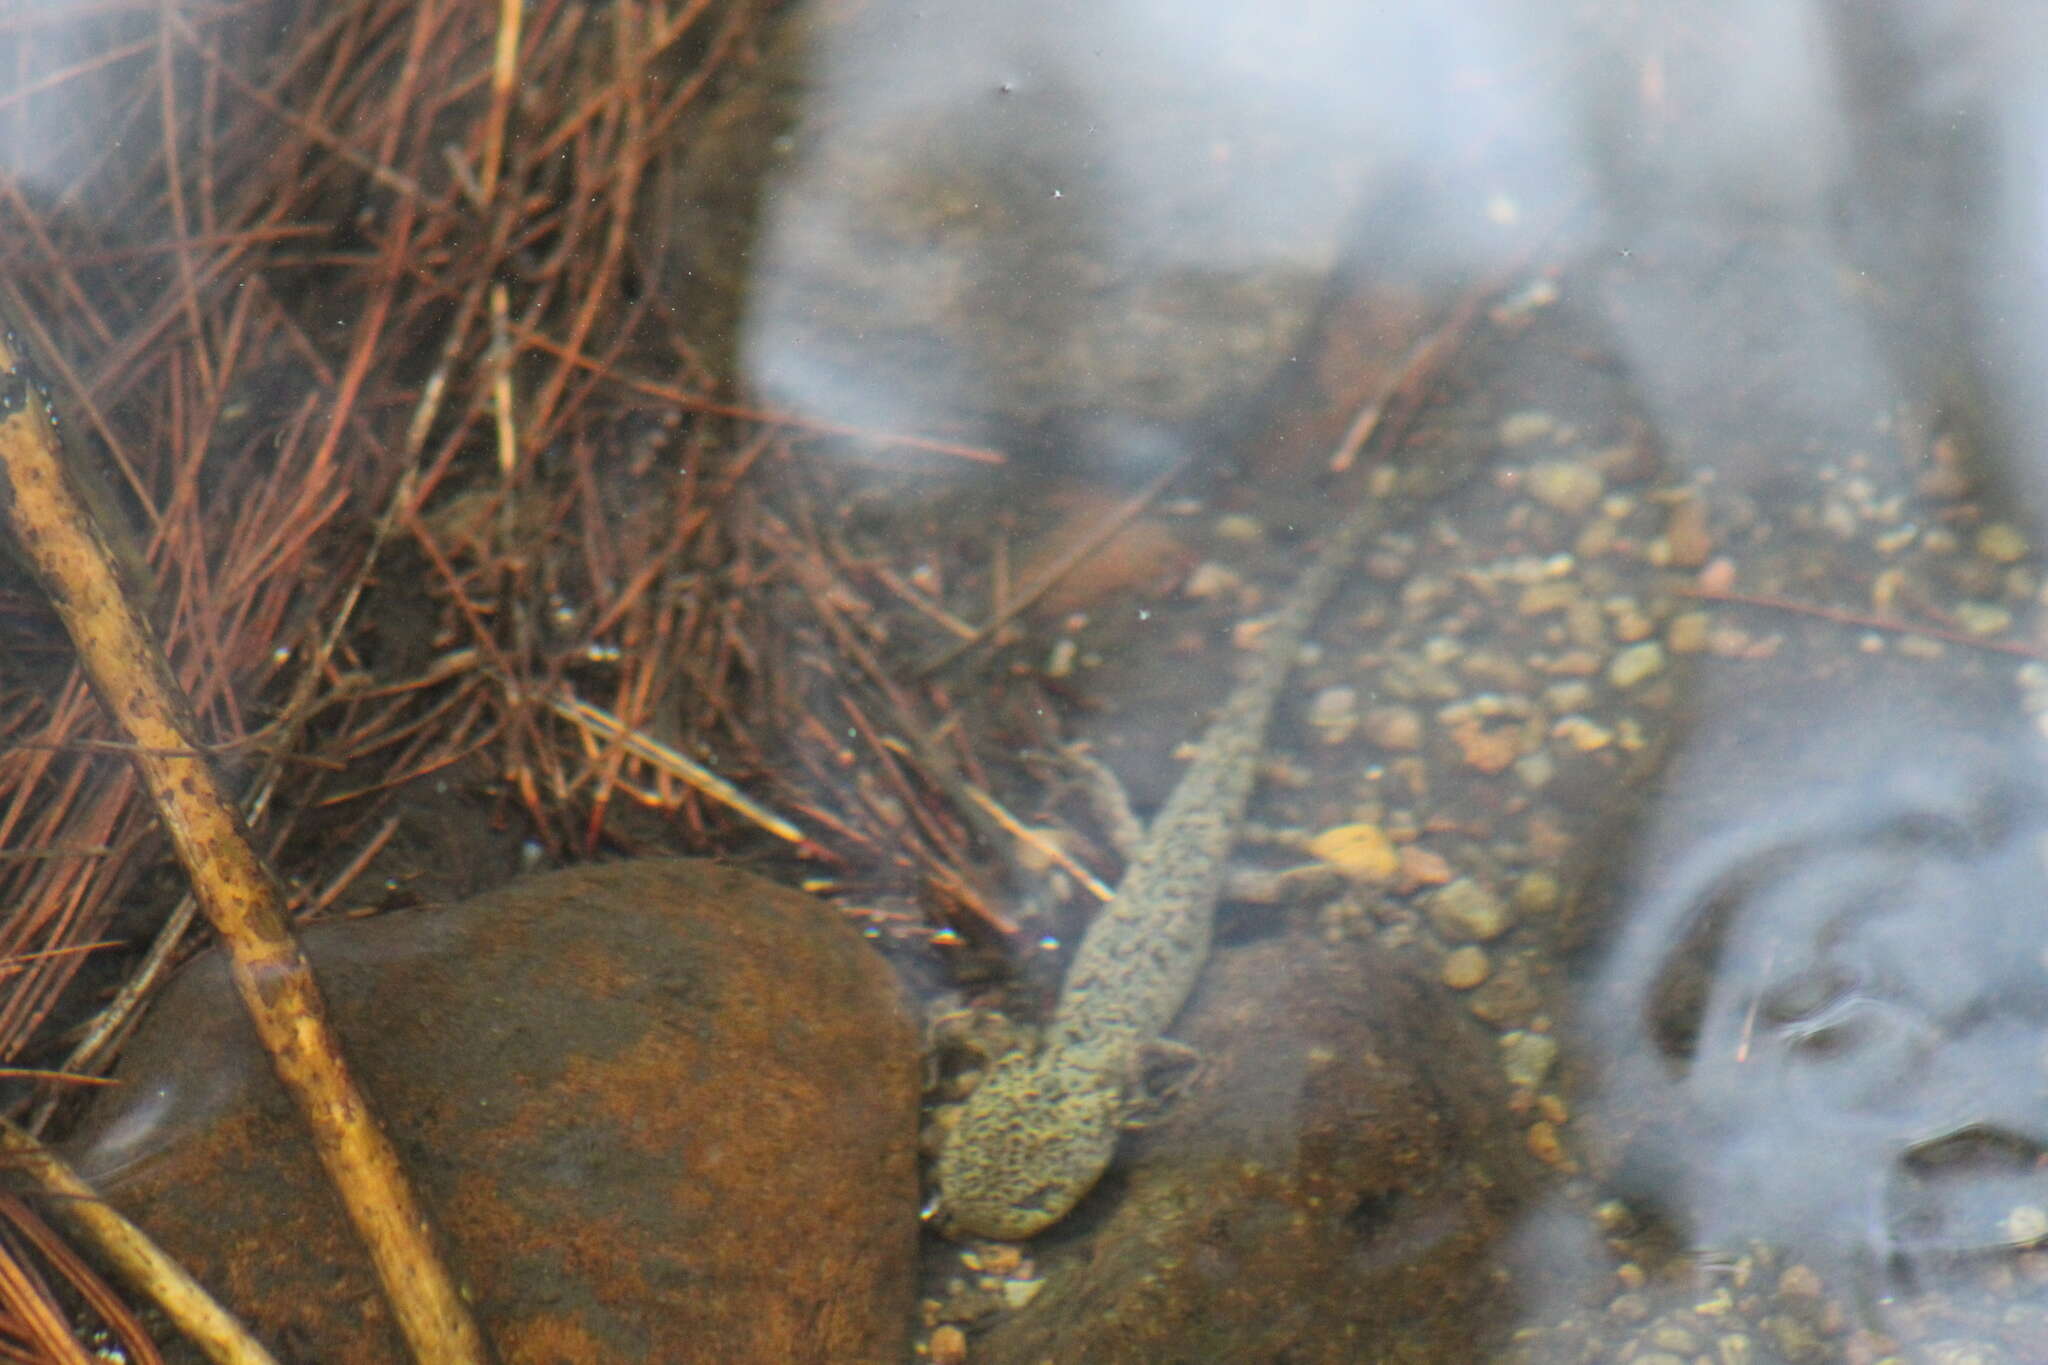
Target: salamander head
column 1031, row 1141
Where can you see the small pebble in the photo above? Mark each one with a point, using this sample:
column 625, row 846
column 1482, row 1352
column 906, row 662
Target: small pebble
column 1585, row 735
column 1540, row 599
column 1333, row 713
column 1549, row 1149
column 1360, row 851
column 1629, row 1307
column 1800, row 1282
column 1465, row 910
column 1210, row 579
column 1466, row 967
column 1423, row 867
column 1687, row 633
column 1982, row 618
column 2002, row 543
column 1526, row 1057
column 1525, row 428
column 1566, row 486
column 1685, row 532
column 948, row 1345
column 1636, row 664
column 1537, row 893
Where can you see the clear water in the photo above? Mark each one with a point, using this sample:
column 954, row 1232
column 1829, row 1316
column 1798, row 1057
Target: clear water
column 1687, row 741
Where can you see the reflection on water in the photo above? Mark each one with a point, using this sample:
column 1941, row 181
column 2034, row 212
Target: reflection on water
column 1824, row 1013
column 1107, row 226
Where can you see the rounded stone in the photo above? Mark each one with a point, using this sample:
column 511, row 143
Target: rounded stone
column 1346, row 1154
column 666, row 1110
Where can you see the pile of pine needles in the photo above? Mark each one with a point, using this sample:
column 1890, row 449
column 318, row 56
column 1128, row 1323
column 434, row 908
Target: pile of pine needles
column 353, row 312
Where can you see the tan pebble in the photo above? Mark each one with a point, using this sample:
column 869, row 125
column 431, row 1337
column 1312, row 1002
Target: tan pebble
column 1585, row 624
column 948, row 1345
column 1487, row 750
column 1582, row 734
column 1597, row 539
column 1360, row 851
column 1540, row 599
column 1333, row 713
column 1566, row 486
column 1554, row 1108
column 1423, row 867
column 1920, row 647
column 1525, row 428
column 1394, row 727
column 1466, row 967
column 1465, row 910
column 1536, row 770
column 1636, row 664
column 1631, row 1275
column 1574, row 663
column 1020, row 1293
column 1717, row 576
column 1616, row 1219
column 2002, row 543
column 1982, row 618
column 1560, row 698
column 1735, row 1348
column 1547, row 1147
column 1718, row 1304
column 1631, row 622
column 1526, row 1058
column 1800, row 1282
column 1687, row 633
column 1537, row 893
column 1629, row 1307
column 1660, row 1358
column 997, row 1258
column 1730, row 642
column 1686, row 532
column 1210, row 579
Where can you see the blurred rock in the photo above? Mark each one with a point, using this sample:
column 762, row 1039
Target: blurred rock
column 666, row 1110
column 1326, row 1190
column 1090, row 230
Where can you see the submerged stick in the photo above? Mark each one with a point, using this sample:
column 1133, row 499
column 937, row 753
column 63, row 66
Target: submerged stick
column 240, row 895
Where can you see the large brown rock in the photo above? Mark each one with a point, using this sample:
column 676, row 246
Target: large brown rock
column 667, row 1112
column 1328, row 1190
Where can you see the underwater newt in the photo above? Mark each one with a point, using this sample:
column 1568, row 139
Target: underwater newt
column 1041, row 1128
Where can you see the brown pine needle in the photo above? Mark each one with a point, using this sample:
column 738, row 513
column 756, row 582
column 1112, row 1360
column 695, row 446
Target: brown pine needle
column 650, row 750
column 241, row 896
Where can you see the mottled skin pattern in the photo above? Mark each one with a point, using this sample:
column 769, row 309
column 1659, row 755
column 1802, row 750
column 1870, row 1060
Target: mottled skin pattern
column 1039, row 1131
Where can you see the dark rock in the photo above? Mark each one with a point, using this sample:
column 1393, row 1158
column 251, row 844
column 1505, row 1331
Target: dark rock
column 1326, row 1190
column 666, row 1110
